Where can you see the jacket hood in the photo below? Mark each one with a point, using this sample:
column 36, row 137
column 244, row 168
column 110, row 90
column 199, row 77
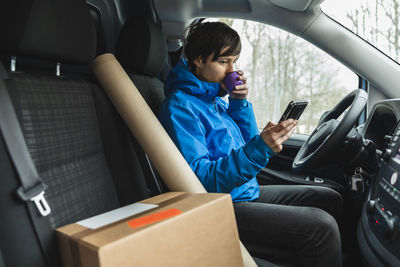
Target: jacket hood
column 180, row 77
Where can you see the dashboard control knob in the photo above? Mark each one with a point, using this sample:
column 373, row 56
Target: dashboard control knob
column 387, row 154
column 388, row 139
column 392, row 227
column 371, row 206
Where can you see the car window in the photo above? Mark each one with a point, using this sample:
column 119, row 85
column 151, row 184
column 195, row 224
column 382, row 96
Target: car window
column 377, row 22
column 281, row 67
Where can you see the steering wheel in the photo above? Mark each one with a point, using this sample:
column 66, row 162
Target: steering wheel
column 330, row 133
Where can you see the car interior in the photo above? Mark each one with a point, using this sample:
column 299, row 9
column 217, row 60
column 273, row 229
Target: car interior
column 58, row 124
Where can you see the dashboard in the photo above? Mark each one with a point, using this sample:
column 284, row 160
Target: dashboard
column 382, row 122
column 379, row 227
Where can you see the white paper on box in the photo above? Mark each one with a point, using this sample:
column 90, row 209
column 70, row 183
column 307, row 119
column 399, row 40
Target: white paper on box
column 115, row 215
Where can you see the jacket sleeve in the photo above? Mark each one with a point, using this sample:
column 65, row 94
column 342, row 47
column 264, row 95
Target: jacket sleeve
column 225, row 173
column 241, row 111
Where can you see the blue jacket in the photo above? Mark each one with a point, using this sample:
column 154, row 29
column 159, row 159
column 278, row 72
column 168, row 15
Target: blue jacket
column 220, row 141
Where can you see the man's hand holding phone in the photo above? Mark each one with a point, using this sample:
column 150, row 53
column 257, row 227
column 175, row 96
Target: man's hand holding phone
column 274, row 135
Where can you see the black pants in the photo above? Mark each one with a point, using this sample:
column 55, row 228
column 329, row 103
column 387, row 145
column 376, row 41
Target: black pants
column 296, row 220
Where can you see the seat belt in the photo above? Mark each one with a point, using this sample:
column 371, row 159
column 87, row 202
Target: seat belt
column 32, row 187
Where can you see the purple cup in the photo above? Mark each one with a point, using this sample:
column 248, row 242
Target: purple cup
column 231, row 80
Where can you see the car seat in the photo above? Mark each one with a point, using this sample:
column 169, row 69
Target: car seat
column 79, row 145
column 141, row 49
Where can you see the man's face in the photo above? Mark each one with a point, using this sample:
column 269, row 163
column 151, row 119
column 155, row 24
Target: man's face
column 214, row 71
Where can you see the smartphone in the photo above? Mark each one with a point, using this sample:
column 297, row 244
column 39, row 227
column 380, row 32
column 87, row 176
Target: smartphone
column 294, row 109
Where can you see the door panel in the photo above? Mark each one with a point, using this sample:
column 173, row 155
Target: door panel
column 279, row 168
column 284, row 159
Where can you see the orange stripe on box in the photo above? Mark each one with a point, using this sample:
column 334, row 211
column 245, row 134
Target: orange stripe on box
column 152, row 218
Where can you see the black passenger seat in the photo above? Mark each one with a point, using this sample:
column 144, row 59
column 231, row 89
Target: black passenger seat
column 81, row 148
column 141, row 49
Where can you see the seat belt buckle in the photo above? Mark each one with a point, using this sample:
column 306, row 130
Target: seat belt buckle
column 41, row 204
column 36, row 195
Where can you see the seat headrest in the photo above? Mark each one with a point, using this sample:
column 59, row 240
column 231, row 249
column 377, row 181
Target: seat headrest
column 141, row 46
column 59, row 30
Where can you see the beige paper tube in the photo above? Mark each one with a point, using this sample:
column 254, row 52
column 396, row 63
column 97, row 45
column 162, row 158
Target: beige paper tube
column 144, row 125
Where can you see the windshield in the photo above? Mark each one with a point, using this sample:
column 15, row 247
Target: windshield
column 376, row 21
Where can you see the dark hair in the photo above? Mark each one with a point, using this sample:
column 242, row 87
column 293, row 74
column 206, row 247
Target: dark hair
column 204, row 39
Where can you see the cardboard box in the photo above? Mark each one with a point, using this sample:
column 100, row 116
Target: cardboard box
column 184, row 230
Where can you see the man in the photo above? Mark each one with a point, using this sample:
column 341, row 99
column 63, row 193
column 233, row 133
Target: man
column 222, row 144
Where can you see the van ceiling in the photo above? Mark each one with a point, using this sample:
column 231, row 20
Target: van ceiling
column 279, row 13
column 293, row 5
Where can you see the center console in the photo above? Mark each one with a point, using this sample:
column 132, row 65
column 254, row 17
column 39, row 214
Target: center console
column 379, row 228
